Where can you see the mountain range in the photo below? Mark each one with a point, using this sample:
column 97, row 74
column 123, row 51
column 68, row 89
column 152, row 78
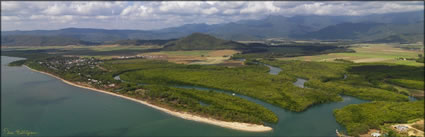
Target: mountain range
column 391, row 27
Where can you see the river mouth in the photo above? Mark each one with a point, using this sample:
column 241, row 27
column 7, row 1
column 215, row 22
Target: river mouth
column 94, row 113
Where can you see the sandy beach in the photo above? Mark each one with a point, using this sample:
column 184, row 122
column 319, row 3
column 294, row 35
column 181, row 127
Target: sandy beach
column 233, row 125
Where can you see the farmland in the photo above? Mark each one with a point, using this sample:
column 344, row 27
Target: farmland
column 369, row 53
column 195, row 56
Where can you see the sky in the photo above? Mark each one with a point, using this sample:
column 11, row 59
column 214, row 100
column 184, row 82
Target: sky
column 48, row 15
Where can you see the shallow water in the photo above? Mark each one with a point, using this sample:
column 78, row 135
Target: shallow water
column 39, row 103
column 273, row 70
column 300, row 82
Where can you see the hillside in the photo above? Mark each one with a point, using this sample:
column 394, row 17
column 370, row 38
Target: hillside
column 199, row 41
column 401, row 38
column 342, row 31
column 370, row 32
column 30, row 40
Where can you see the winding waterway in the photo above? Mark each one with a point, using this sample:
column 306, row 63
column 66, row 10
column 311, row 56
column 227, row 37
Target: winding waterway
column 275, row 71
column 42, row 104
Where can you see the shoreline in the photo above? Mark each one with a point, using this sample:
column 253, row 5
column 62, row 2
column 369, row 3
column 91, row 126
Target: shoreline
column 232, row 125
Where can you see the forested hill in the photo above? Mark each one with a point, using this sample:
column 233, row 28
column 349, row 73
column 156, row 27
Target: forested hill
column 371, row 32
column 199, row 41
column 31, row 40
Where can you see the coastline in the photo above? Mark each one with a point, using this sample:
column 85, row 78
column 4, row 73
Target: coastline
column 232, row 125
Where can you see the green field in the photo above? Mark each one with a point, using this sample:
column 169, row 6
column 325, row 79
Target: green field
column 369, row 53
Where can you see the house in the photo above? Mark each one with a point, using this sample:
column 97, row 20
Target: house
column 375, row 134
column 401, row 128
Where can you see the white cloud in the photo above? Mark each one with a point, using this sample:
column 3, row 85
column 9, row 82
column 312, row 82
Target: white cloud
column 153, row 15
column 9, row 18
column 209, row 11
column 55, row 9
column 259, row 7
column 9, row 6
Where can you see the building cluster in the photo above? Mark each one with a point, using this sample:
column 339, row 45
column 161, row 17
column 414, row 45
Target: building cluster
column 77, row 66
column 140, row 56
column 401, row 128
column 67, row 63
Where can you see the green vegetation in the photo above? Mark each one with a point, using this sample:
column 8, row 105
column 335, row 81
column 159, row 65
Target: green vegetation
column 401, row 75
column 251, row 80
column 17, row 63
column 216, row 105
column 359, row 118
column 370, row 81
column 362, row 80
column 421, row 58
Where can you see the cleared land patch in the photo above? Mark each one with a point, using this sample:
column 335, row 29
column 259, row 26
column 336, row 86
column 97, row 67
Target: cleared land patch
column 194, row 56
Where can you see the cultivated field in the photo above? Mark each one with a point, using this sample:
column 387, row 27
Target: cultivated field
column 195, row 56
column 369, row 53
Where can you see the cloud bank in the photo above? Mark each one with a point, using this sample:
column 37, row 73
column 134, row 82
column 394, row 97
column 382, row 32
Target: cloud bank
column 155, row 15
